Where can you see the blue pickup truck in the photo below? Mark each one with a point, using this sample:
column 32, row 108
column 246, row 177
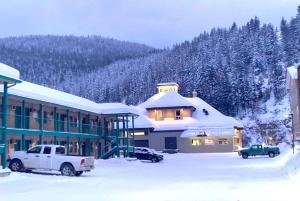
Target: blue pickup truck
column 258, row 149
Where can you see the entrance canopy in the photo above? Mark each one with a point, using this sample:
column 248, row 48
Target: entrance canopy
column 203, row 132
column 9, row 74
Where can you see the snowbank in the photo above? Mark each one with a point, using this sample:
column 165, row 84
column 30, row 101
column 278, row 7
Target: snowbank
column 4, row 172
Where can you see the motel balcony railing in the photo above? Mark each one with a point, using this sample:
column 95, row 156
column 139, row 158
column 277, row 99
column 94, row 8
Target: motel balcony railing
column 50, row 124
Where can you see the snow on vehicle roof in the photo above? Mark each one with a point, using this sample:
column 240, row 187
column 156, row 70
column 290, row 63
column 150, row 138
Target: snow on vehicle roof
column 167, row 100
column 9, row 72
column 45, row 94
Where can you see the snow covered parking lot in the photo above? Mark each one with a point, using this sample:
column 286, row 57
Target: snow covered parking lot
column 196, row 177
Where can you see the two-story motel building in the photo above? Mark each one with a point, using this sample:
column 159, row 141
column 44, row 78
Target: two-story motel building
column 31, row 114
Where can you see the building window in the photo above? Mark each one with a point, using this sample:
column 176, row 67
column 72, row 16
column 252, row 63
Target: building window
column 138, row 133
column 159, row 115
column 177, row 114
column 209, row 142
column 223, row 141
column 196, row 142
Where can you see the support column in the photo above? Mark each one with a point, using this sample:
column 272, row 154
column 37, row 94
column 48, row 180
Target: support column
column 79, row 147
column 88, row 123
column 4, row 123
column 123, row 131
column 55, row 124
column 79, row 122
column 41, row 121
column 127, row 135
column 68, row 130
column 117, row 135
column 99, row 148
column 133, row 142
column 88, row 147
column 68, row 145
column 23, row 126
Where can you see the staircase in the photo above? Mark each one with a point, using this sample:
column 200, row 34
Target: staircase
column 110, row 153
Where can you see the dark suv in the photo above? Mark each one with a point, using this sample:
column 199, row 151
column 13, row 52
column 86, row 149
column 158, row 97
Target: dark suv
column 143, row 153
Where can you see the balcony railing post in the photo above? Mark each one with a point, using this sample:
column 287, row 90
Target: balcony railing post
column 132, row 126
column 127, row 139
column 79, row 122
column 79, row 146
column 117, row 134
column 68, row 121
column 4, row 122
column 23, row 125
column 88, row 124
column 40, row 116
column 55, row 124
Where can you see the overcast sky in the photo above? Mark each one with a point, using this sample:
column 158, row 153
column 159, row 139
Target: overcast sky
column 159, row 23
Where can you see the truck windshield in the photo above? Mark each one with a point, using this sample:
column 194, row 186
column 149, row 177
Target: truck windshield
column 60, row 150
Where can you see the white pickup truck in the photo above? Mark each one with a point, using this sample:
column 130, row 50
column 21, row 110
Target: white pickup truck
column 50, row 157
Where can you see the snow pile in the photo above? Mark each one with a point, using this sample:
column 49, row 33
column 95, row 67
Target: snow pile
column 292, row 164
column 9, row 71
column 4, row 172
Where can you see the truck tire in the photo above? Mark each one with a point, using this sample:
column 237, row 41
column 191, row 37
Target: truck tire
column 78, row 173
column 245, row 155
column 271, row 154
column 67, row 169
column 16, row 165
column 154, row 160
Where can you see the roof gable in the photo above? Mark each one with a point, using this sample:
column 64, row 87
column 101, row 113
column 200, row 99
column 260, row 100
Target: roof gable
column 166, row 100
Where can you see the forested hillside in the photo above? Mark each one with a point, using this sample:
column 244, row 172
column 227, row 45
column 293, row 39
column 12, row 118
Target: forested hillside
column 50, row 60
column 233, row 69
column 239, row 70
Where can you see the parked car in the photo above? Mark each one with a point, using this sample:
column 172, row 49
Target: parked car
column 143, row 153
column 258, row 149
column 50, row 157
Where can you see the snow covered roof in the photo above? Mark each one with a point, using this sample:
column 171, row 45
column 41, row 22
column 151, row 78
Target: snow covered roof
column 292, row 74
column 207, row 132
column 167, row 100
column 167, row 84
column 199, row 119
column 9, row 74
column 45, row 94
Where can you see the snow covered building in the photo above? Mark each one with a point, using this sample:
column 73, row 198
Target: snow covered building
column 168, row 120
column 293, row 87
column 31, row 114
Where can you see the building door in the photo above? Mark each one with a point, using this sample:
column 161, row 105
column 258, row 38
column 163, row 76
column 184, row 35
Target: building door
column 27, row 118
column 27, row 144
column 141, row 143
column 18, row 117
column 83, row 148
column 170, row 143
column 99, row 150
column 17, row 145
column 62, row 122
